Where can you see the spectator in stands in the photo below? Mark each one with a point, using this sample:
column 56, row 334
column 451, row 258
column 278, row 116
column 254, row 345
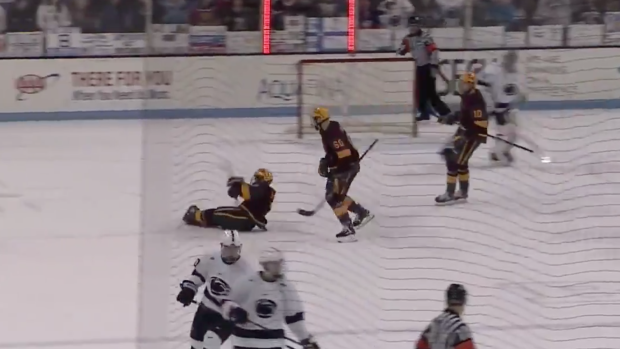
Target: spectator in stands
column 52, row 14
column 431, row 13
column 333, row 8
column 22, row 17
column 111, row 18
column 2, row 20
column 395, row 13
column 133, row 16
column 207, row 13
column 84, row 16
column 553, row 12
column 368, row 17
column 241, row 18
column 176, row 11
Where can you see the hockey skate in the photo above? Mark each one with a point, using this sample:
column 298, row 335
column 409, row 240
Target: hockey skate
column 445, row 199
column 362, row 219
column 460, row 196
column 505, row 159
column 347, row 235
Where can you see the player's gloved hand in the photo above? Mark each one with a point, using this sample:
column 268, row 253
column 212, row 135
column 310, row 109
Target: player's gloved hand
column 448, row 119
column 233, row 180
column 310, row 343
column 238, row 315
column 233, row 312
column 188, row 291
column 323, row 168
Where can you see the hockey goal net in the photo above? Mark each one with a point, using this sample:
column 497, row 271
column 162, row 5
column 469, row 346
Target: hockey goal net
column 367, row 95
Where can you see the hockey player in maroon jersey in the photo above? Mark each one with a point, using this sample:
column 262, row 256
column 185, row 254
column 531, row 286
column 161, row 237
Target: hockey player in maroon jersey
column 340, row 166
column 472, row 131
column 257, row 199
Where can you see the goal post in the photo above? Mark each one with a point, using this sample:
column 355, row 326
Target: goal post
column 367, row 95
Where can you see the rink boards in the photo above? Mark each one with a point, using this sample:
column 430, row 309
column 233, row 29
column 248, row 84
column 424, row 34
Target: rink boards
column 268, row 86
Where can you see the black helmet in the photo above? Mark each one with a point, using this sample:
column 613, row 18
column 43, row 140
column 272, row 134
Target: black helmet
column 456, row 295
column 414, row 20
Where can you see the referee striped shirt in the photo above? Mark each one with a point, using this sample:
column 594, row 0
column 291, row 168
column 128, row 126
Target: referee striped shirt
column 446, row 331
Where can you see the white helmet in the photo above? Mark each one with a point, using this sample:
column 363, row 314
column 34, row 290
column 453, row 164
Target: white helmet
column 272, row 261
column 230, row 246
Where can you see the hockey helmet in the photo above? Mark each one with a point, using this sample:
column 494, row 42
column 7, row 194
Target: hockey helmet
column 262, row 175
column 456, row 295
column 467, row 82
column 230, row 246
column 272, row 261
column 319, row 116
column 415, row 24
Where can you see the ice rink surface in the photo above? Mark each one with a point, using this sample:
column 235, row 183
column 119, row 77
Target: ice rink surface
column 537, row 245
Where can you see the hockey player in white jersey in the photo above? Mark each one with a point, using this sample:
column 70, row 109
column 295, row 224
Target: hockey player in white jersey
column 503, row 89
column 263, row 304
column 217, row 271
column 448, row 331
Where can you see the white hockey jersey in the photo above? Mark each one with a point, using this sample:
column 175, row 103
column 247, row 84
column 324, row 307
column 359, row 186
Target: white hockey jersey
column 272, row 305
column 217, row 277
column 501, row 89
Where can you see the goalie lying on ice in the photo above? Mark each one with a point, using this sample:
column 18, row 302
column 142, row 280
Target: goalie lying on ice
column 257, row 199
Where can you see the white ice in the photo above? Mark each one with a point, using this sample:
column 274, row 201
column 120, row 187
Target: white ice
column 536, row 245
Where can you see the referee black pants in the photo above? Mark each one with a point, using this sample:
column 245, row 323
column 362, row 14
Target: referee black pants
column 427, row 92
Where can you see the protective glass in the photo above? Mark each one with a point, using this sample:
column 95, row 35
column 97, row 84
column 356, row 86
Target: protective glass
column 231, row 253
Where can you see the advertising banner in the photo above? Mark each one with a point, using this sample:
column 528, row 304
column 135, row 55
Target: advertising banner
column 210, row 39
column 130, row 43
column 292, row 38
column 170, row 38
column 54, row 85
column 63, row 42
column 612, row 28
column 244, row 42
column 24, row 44
column 97, row 44
column 327, row 34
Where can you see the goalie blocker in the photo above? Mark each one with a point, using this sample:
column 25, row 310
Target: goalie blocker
column 257, row 196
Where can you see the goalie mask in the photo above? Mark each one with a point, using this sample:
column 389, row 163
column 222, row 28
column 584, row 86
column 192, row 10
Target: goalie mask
column 272, row 261
column 230, row 246
column 319, row 116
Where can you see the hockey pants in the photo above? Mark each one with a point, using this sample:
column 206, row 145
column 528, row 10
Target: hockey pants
column 229, row 217
column 206, row 320
column 426, row 88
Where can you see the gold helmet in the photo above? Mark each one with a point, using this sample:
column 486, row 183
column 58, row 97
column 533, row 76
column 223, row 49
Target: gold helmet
column 262, row 175
column 467, row 82
column 319, row 116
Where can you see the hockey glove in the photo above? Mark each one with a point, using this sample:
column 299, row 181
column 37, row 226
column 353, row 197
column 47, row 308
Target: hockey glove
column 234, row 180
column 233, row 312
column 323, row 168
column 310, row 343
column 188, row 291
column 448, row 119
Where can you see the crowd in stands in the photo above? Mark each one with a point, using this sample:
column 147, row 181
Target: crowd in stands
column 115, row 16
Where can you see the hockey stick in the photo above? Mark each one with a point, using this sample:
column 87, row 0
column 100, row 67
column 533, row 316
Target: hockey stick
column 311, row 213
column 511, row 143
column 264, row 328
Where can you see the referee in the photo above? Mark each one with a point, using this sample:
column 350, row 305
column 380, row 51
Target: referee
column 426, row 55
column 448, row 331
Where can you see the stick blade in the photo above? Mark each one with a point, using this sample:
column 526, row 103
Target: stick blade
column 306, row 212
